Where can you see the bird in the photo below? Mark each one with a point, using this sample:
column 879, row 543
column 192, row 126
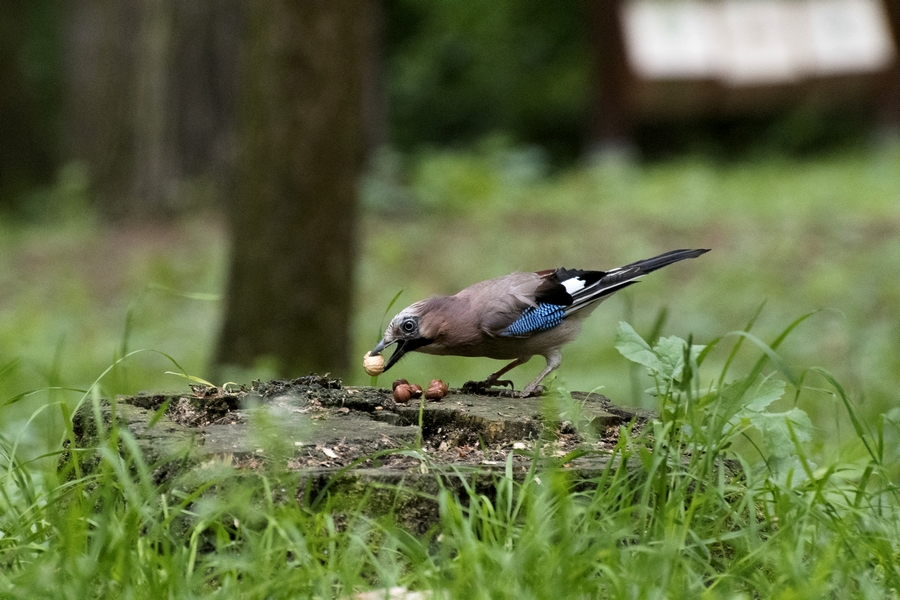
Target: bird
column 514, row 317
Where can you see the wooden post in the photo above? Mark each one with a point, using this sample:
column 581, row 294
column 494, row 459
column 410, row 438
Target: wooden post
column 889, row 102
column 610, row 115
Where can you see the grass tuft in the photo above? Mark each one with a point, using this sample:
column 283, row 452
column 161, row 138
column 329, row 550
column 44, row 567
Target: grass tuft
column 718, row 497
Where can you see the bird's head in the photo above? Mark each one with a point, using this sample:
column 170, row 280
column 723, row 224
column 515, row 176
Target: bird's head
column 407, row 330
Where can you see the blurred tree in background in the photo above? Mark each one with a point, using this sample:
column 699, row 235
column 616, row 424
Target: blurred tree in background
column 142, row 93
column 150, row 99
column 302, row 142
column 30, row 97
column 890, row 100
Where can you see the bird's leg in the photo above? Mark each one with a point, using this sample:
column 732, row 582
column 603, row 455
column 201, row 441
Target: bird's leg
column 494, row 378
column 535, row 388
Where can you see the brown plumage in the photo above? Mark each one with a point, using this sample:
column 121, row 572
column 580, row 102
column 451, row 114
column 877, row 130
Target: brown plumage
column 513, row 317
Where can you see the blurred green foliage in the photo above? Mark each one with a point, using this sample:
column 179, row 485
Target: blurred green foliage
column 458, row 71
column 505, row 84
column 78, row 296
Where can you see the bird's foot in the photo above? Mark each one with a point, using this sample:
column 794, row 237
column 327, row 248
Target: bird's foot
column 531, row 391
column 485, row 387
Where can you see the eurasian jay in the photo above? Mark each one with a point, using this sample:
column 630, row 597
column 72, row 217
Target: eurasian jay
column 513, row 317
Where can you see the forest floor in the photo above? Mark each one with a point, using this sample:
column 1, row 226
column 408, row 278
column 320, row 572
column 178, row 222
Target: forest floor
column 89, row 311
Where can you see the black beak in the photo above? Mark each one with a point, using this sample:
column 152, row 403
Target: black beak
column 403, row 346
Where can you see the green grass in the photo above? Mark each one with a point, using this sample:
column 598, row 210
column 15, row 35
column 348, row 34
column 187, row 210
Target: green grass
column 679, row 511
column 814, row 236
column 799, row 236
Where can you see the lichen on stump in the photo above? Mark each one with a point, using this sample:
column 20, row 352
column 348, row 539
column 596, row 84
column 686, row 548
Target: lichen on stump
column 349, row 441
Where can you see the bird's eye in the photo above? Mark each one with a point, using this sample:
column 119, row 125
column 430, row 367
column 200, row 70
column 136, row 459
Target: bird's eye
column 408, row 326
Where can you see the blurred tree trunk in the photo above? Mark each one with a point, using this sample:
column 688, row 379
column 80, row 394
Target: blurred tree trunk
column 889, row 103
column 98, row 56
column 29, row 98
column 150, row 99
column 301, row 146
column 375, row 104
column 610, row 121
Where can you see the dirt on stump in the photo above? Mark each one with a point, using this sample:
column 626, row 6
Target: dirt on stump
column 340, row 439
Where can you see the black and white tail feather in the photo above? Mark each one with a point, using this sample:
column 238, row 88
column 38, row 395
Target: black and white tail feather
column 585, row 292
column 566, row 291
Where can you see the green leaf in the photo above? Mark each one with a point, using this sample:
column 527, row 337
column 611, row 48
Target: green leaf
column 202, row 296
column 194, row 378
column 731, row 401
column 9, row 367
column 775, row 432
column 785, row 468
column 670, row 353
column 388, row 310
column 768, row 391
column 633, row 347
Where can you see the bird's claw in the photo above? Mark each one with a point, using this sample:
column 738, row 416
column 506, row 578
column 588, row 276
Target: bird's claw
column 484, row 387
column 530, row 392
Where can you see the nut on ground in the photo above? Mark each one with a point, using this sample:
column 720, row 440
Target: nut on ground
column 374, row 365
column 437, row 389
column 402, row 393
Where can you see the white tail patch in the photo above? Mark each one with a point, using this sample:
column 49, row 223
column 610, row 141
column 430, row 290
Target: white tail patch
column 599, row 295
column 573, row 285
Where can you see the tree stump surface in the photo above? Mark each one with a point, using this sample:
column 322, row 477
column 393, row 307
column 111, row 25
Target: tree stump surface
column 356, row 441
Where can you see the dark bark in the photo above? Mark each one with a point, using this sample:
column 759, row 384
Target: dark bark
column 100, row 90
column 889, row 101
column 375, row 103
column 29, row 98
column 207, row 43
column 610, row 117
column 301, row 148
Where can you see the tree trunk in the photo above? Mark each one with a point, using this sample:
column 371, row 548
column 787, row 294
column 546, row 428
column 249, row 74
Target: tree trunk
column 100, row 89
column 889, row 101
column 301, row 147
column 29, row 98
column 207, row 41
column 610, row 127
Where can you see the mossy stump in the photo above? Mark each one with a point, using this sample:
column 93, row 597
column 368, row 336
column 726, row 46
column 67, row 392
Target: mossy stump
column 348, row 443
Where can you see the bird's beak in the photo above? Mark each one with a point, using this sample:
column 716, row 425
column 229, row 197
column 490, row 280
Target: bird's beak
column 403, row 346
column 380, row 347
column 398, row 352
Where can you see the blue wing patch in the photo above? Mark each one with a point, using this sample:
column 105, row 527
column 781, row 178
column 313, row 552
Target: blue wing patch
column 534, row 319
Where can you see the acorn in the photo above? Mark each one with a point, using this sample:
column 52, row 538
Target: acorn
column 402, row 393
column 374, row 365
column 437, row 389
column 415, row 390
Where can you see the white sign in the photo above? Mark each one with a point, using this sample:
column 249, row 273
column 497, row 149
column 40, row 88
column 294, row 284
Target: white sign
column 746, row 42
column 670, row 40
column 849, row 36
